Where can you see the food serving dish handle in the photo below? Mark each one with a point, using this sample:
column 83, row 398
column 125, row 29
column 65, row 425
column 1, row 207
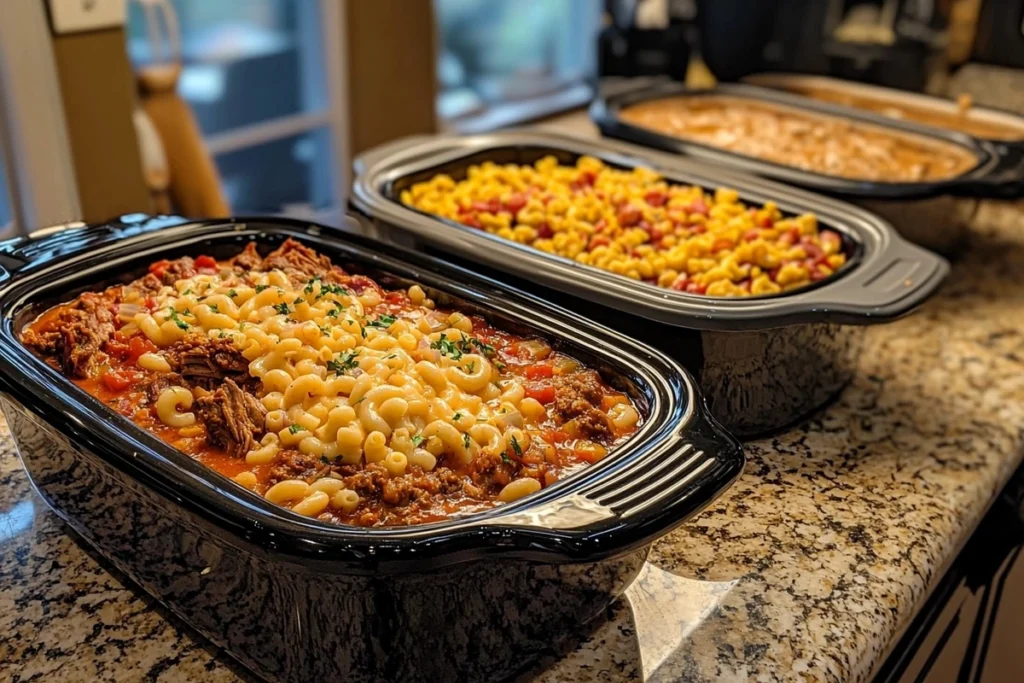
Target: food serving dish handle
column 884, row 289
column 1005, row 179
column 671, row 484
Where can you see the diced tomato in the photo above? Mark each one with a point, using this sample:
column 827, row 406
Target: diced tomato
column 539, row 371
column 116, row 381
column 598, row 241
column 766, row 222
column 813, row 250
column 489, row 206
column 544, row 231
column 138, row 346
column 751, row 235
column 600, row 225
column 117, row 349
column 656, row 234
column 586, row 178
column 655, row 198
column 149, row 303
column 629, row 216
column 205, row 261
column 698, row 229
column 817, row 275
column 515, row 202
column 471, row 220
column 159, row 268
column 544, row 393
column 699, row 206
column 555, row 436
column 721, row 244
column 680, row 283
column 694, row 288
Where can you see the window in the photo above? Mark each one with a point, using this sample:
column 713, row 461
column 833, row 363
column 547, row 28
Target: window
column 510, row 60
column 256, row 77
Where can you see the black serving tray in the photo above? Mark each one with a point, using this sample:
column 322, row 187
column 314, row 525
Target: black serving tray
column 294, row 598
column 763, row 362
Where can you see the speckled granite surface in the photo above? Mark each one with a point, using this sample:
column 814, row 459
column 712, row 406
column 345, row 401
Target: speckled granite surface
column 806, row 570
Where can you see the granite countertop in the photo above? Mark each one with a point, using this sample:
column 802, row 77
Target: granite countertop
column 807, row 569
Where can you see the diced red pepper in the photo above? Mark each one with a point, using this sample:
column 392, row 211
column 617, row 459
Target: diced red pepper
column 544, row 231
column 515, row 202
column 600, row 225
column 598, row 241
column 720, row 244
column 159, row 268
column 813, row 250
column 629, row 216
column 138, row 346
column 116, row 381
column 751, row 235
column 656, row 235
column 544, row 393
column 205, row 261
column 699, row 206
column 539, row 371
column 489, row 206
column 585, row 178
column 655, row 198
column 680, row 283
column 149, row 303
column 471, row 220
column 694, row 288
column 765, row 222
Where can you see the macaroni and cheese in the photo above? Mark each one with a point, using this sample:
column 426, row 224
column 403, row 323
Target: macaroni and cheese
column 635, row 223
column 330, row 395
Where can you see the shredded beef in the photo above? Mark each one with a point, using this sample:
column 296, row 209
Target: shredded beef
column 294, row 465
column 233, row 418
column 249, row 259
column 578, row 397
column 73, row 342
column 207, row 361
column 179, row 269
column 295, row 257
column 150, row 284
column 162, row 381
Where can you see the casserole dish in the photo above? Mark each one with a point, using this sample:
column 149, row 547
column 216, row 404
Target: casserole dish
column 933, row 213
column 764, row 361
column 983, row 123
column 295, row 599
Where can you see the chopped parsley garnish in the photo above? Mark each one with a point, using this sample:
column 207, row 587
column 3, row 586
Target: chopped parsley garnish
column 417, row 440
column 390, row 356
column 176, row 319
column 202, row 298
column 213, row 307
column 308, row 289
column 232, row 293
column 186, row 292
column 383, row 322
column 332, row 289
column 295, row 429
column 325, row 460
column 498, row 364
column 465, row 440
column 472, row 364
column 516, row 447
column 447, row 348
column 457, row 416
column 344, row 362
column 299, row 300
column 362, row 331
column 282, row 308
column 260, row 288
column 333, row 313
column 325, row 330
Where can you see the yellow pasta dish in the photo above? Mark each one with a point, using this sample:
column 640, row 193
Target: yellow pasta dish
column 636, row 224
